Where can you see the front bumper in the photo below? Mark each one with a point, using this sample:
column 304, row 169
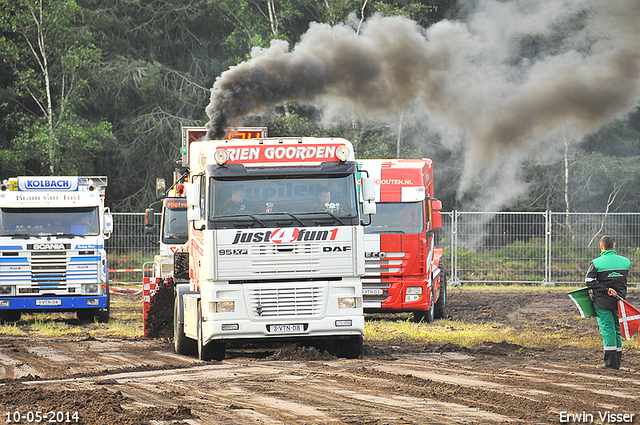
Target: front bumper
column 62, row 303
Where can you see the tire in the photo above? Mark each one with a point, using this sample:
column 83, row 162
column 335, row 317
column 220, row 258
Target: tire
column 426, row 315
column 9, row 316
column 181, row 344
column 102, row 315
column 441, row 311
column 350, row 348
column 85, row 315
column 213, row 350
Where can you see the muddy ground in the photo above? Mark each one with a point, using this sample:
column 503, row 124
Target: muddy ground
column 89, row 380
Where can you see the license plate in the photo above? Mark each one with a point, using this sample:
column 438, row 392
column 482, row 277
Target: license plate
column 53, row 302
column 286, row 328
column 372, row 291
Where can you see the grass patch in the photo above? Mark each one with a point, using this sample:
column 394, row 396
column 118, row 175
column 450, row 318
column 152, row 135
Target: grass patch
column 125, row 322
column 567, row 331
column 118, row 328
column 46, row 327
column 11, row 329
column 389, row 332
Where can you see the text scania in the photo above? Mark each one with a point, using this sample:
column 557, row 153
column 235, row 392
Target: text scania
column 271, row 153
column 48, row 246
column 285, row 235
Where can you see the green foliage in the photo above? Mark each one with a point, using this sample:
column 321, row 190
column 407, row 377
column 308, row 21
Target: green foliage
column 50, row 56
column 123, row 76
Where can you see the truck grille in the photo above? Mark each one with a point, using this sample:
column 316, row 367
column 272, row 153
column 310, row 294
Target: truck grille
column 276, row 259
column 286, row 302
column 49, row 269
column 56, row 270
column 375, row 285
column 374, row 267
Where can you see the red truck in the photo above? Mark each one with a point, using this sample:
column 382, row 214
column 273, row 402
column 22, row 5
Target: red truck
column 403, row 268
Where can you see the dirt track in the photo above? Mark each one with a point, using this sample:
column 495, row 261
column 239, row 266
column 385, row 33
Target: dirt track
column 116, row 381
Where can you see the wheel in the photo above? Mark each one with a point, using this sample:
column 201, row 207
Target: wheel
column 350, row 348
column 85, row 315
column 214, row 350
column 181, row 344
column 102, row 314
column 425, row 315
column 9, row 316
column 441, row 305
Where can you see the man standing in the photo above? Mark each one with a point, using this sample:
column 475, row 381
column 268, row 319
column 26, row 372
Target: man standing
column 607, row 280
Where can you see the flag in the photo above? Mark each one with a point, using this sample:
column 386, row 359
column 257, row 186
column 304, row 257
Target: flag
column 583, row 301
column 629, row 318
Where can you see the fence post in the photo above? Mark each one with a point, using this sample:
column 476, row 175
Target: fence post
column 547, row 250
column 454, row 248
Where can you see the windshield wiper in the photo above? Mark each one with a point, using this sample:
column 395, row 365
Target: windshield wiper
column 293, row 216
column 378, row 232
column 20, row 236
column 335, row 217
column 236, row 216
column 68, row 235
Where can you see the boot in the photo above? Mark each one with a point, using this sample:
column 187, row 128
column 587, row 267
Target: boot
column 611, row 359
column 619, row 357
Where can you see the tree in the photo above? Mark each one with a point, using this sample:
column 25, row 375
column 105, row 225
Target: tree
column 50, row 57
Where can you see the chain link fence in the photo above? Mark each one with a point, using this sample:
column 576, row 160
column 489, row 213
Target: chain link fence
column 130, row 251
column 543, row 248
column 508, row 247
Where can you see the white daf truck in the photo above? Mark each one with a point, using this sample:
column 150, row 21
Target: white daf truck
column 52, row 255
column 275, row 245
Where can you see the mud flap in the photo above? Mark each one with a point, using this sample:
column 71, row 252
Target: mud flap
column 158, row 308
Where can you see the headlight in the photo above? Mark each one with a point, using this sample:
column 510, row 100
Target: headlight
column 414, row 293
column 224, row 306
column 91, row 288
column 6, row 290
column 350, row 302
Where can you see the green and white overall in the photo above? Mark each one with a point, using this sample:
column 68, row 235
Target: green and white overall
column 610, row 270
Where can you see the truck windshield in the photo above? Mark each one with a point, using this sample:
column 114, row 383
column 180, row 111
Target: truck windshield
column 297, row 198
column 397, row 217
column 49, row 221
column 175, row 226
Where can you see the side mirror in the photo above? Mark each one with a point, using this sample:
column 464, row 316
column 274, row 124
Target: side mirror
column 436, row 216
column 161, row 188
column 368, row 208
column 108, row 224
column 192, row 191
column 193, row 214
column 368, row 188
column 149, row 221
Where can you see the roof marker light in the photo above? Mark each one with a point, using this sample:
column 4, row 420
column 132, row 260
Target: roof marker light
column 221, row 156
column 342, row 153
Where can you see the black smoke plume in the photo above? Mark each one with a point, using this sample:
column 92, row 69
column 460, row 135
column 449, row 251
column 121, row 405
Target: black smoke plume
column 506, row 77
